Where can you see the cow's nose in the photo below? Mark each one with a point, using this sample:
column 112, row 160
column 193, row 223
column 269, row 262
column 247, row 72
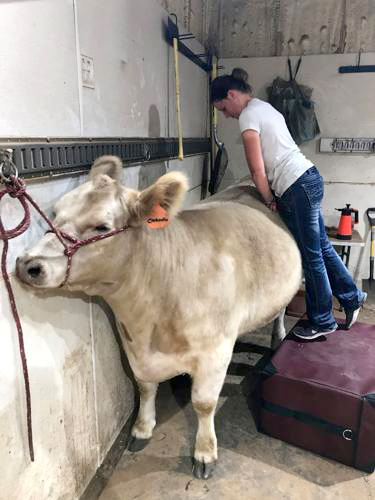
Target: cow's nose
column 28, row 270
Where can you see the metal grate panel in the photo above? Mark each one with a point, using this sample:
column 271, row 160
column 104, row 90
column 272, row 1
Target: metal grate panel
column 36, row 158
column 347, row 145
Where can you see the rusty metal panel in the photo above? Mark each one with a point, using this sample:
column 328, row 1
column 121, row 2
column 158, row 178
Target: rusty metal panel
column 258, row 28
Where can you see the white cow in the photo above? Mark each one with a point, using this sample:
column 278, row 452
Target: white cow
column 181, row 294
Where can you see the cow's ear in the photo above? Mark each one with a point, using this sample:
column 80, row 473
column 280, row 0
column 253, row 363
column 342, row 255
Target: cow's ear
column 165, row 196
column 108, row 165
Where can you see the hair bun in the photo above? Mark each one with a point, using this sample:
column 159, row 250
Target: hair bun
column 240, row 74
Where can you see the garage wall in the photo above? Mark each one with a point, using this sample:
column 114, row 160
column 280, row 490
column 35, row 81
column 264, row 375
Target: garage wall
column 344, row 106
column 81, row 396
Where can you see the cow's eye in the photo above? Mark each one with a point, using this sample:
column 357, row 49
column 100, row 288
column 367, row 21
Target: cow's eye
column 102, row 228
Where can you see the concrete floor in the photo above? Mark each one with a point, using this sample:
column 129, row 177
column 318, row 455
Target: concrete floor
column 250, row 466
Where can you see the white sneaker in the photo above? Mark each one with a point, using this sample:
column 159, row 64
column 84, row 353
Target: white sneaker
column 351, row 316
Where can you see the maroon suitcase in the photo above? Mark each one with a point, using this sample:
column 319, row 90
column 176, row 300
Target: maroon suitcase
column 320, row 395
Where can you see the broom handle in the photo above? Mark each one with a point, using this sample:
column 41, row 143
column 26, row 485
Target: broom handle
column 179, row 128
column 370, row 214
column 214, row 75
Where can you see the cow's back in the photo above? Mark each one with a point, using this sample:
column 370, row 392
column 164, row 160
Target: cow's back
column 238, row 231
column 244, row 193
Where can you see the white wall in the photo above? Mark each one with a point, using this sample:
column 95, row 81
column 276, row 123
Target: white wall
column 345, row 106
column 80, row 395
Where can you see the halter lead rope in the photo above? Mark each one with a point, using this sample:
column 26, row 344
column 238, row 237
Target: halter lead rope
column 16, row 188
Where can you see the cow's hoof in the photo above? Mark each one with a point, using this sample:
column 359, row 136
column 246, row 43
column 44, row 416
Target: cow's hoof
column 137, row 444
column 202, row 470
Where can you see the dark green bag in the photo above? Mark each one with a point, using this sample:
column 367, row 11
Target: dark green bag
column 294, row 102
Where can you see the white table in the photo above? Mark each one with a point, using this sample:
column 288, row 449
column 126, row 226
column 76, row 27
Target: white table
column 346, row 245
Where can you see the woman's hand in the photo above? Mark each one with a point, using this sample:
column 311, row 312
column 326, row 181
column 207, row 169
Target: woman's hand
column 272, row 206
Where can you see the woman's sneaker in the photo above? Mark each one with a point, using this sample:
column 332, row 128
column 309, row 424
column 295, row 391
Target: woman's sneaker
column 351, row 316
column 310, row 333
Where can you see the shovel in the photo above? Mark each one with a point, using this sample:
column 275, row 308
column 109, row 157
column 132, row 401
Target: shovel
column 371, row 218
column 221, row 160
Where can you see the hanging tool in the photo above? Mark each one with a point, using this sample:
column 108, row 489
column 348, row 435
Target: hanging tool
column 178, row 107
column 371, row 218
column 221, row 159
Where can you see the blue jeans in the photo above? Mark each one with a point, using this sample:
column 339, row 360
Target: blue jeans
column 325, row 272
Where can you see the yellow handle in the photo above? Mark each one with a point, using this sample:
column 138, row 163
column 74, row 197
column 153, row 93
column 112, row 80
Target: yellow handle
column 179, row 128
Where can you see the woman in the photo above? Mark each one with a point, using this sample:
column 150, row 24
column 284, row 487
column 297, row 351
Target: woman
column 290, row 184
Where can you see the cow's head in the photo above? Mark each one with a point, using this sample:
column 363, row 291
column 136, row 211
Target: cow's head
column 98, row 206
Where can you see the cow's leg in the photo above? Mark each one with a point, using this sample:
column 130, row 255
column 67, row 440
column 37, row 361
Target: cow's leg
column 145, row 423
column 278, row 330
column 207, row 383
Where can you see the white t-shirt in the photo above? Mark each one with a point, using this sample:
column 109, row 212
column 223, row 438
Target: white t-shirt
column 283, row 160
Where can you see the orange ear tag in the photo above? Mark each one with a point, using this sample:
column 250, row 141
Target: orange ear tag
column 158, row 218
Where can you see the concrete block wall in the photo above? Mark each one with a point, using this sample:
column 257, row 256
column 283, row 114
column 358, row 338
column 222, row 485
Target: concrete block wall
column 80, row 394
column 344, row 107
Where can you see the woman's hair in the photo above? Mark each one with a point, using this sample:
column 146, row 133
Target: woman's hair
column 236, row 81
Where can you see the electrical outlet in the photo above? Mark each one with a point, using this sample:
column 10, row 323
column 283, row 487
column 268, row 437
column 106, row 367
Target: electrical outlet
column 87, row 70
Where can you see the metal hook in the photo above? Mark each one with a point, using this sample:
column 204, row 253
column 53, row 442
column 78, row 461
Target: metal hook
column 7, row 167
column 359, row 57
column 147, row 152
column 175, row 16
column 347, row 434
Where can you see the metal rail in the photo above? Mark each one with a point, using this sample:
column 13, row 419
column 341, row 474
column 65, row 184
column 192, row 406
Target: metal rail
column 39, row 157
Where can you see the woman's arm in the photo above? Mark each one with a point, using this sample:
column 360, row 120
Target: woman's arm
column 254, row 157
